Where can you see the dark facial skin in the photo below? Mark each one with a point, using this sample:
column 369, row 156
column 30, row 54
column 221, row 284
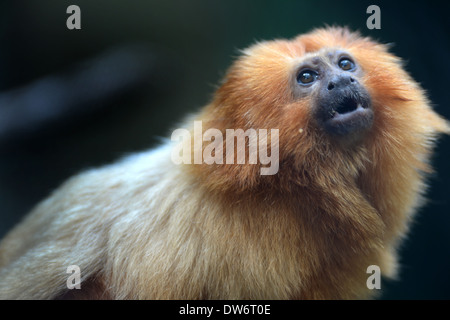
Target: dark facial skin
column 341, row 106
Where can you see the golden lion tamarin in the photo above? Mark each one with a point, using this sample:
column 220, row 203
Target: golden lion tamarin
column 355, row 134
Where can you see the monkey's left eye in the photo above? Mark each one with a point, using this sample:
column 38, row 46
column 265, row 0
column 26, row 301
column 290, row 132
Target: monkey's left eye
column 307, row 77
column 346, row 64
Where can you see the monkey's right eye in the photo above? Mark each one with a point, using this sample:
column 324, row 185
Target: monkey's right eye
column 307, row 77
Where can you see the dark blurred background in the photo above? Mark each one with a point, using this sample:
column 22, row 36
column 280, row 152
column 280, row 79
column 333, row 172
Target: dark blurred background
column 74, row 99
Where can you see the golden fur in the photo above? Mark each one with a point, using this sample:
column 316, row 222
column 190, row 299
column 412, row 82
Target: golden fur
column 145, row 228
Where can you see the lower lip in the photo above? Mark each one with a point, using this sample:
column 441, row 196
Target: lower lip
column 355, row 121
column 348, row 116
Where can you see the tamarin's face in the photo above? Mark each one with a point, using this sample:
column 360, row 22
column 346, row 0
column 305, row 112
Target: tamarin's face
column 340, row 104
column 318, row 85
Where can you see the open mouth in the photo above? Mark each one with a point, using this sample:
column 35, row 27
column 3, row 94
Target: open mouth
column 346, row 105
column 349, row 115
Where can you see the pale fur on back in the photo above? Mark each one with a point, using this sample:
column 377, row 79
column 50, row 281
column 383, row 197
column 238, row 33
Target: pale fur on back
column 140, row 225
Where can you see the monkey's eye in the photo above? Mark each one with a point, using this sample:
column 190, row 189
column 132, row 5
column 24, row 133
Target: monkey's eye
column 307, row 76
column 346, row 64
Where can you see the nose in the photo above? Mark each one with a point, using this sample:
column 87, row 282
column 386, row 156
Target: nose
column 340, row 81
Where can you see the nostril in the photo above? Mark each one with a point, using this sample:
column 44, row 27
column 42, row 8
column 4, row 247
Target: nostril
column 352, row 80
column 330, row 86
